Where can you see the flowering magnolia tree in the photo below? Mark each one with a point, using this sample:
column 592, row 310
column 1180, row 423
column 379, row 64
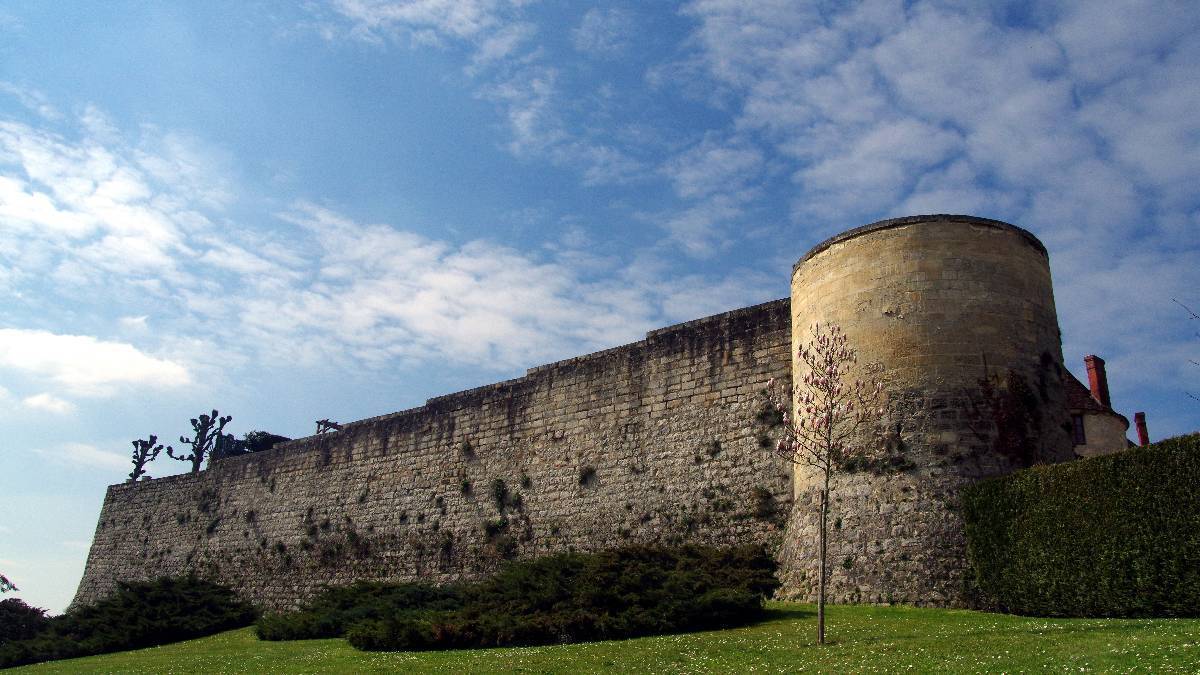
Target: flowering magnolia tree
column 833, row 414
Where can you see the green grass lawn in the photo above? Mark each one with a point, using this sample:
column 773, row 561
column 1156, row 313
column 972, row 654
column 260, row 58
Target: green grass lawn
column 863, row 639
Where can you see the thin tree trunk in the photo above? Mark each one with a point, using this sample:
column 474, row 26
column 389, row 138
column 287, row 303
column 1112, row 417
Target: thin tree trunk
column 823, row 569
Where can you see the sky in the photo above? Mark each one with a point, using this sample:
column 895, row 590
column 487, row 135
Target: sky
column 338, row 209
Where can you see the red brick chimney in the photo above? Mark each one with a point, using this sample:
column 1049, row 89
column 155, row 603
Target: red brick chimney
column 1139, row 420
column 1097, row 379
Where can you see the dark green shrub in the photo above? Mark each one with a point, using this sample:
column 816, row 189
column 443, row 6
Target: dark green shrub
column 19, row 621
column 137, row 615
column 1108, row 536
column 336, row 609
column 258, row 441
column 375, row 634
column 567, row 597
column 298, row 626
column 722, row 606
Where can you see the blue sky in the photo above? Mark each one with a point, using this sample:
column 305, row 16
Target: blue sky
column 339, row 209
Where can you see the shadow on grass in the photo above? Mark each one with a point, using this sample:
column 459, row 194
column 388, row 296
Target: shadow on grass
column 777, row 614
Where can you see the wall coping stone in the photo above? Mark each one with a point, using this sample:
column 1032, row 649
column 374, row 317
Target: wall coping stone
column 921, row 219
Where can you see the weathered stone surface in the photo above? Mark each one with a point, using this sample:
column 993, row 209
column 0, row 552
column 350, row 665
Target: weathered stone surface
column 654, row 441
column 934, row 305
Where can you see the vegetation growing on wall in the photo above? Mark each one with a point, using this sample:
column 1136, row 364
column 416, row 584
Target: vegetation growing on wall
column 1116, row 535
column 587, row 476
column 1005, row 411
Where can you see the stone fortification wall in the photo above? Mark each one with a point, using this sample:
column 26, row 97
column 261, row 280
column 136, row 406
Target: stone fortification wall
column 655, row 441
column 955, row 315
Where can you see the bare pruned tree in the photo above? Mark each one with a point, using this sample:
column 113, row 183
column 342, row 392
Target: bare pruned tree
column 1192, row 315
column 144, row 452
column 207, row 428
column 325, row 427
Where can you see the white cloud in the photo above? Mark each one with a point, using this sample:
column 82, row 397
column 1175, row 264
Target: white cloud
column 874, row 170
column 714, row 165
column 1107, row 40
column 1081, row 111
column 30, row 98
column 380, row 293
column 527, row 98
column 602, row 164
column 1076, row 122
column 383, row 293
column 48, row 403
column 83, row 455
column 503, row 43
column 510, row 70
column 134, row 323
column 85, row 204
column 423, row 21
column 84, row 365
column 195, row 171
column 603, row 32
column 700, row 230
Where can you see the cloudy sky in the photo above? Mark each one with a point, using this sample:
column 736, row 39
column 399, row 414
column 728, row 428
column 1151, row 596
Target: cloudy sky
column 294, row 211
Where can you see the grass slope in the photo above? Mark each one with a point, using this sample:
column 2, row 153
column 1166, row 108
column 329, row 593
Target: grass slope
column 865, row 639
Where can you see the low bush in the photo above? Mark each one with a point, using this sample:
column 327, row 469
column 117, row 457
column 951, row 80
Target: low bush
column 1111, row 536
column 332, row 612
column 568, row 597
column 137, row 615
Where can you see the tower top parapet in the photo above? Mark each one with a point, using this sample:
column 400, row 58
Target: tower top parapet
column 912, row 220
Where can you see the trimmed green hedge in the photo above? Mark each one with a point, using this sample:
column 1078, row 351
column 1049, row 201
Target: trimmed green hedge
column 1111, row 536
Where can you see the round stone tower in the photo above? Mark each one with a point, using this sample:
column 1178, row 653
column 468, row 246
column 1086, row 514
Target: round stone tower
column 955, row 316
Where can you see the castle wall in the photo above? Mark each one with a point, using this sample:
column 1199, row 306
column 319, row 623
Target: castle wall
column 955, row 315
column 655, row 441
